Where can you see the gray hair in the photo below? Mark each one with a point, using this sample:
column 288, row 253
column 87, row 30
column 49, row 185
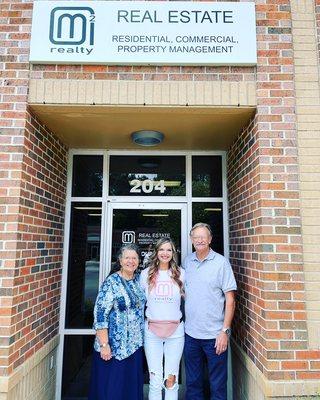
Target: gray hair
column 115, row 267
column 126, row 247
column 201, row 225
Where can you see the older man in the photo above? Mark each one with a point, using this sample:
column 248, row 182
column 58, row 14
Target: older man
column 209, row 307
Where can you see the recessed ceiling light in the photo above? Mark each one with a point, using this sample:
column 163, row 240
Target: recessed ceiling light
column 147, row 138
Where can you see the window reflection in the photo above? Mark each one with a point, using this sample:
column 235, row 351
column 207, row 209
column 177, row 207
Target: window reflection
column 212, row 214
column 87, row 176
column 84, row 260
column 206, row 176
column 77, row 357
column 147, row 176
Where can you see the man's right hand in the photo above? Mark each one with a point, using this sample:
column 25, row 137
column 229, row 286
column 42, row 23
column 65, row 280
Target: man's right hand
column 221, row 343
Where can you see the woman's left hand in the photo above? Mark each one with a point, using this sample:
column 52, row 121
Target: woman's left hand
column 105, row 353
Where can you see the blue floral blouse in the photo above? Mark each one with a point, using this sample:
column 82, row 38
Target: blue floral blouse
column 120, row 308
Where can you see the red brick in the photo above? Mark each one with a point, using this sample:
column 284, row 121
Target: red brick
column 308, row 355
column 308, row 375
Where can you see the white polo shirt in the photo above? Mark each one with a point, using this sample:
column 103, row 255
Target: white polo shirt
column 206, row 283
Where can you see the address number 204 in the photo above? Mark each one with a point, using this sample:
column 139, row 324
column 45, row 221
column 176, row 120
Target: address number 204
column 147, row 186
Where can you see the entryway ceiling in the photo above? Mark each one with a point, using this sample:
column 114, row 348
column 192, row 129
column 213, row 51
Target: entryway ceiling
column 185, row 128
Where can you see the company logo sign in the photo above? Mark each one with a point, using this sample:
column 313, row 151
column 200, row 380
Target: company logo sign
column 143, row 32
column 72, row 26
column 128, row 237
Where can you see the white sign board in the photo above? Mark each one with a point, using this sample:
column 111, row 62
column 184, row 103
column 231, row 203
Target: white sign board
column 143, row 32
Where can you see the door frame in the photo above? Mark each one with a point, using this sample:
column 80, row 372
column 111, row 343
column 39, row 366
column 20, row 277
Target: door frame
column 106, row 200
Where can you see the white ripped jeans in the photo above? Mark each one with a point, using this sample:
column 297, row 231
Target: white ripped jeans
column 171, row 349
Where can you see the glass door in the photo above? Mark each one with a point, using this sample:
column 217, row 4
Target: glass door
column 143, row 224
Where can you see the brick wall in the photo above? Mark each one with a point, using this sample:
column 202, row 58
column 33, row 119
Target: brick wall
column 32, row 217
column 265, row 225
column 317, row 14
column 145, row 73
column 32, row 195
column 305, row 21
column 13, row 101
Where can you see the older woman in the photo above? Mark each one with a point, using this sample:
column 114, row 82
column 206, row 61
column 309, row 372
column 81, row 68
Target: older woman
column 164, row 330
column 117, row 369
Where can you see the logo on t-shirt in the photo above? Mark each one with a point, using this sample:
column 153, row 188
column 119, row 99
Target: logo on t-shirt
column 164, row 289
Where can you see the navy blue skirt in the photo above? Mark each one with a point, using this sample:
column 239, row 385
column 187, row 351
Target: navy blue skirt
column 117, row 380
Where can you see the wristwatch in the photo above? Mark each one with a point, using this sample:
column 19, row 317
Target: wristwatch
column 104, row 344
column 227, row 331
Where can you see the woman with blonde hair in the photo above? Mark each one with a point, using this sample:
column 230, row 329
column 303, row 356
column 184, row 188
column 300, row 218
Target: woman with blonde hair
column 164, row 329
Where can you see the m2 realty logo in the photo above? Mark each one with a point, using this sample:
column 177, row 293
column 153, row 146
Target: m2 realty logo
column 72, row 30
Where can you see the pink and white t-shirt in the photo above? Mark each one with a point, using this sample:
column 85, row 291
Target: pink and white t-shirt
column 164, row 299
